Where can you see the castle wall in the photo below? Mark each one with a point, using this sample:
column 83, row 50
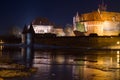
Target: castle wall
column 102, row 28
column 102, row 23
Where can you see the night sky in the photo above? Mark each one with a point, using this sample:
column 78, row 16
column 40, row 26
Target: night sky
column 21, row 12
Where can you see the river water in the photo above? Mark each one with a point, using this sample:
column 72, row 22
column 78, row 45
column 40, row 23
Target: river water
column 66, row 64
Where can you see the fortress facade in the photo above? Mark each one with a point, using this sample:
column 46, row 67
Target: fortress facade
column 100, row 22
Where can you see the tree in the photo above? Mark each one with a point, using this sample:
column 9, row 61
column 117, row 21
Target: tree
column 14, row 30
column 68, row 30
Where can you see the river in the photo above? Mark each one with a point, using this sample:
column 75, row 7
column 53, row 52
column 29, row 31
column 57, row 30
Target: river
column 65, row 64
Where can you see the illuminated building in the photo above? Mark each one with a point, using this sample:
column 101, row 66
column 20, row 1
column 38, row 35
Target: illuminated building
column 41, row 29
column 42, row 25
column 100, row 22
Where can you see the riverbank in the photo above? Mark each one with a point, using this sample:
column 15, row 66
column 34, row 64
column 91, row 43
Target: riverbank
column 82, row 42
column 89, row 42
column 8, row 71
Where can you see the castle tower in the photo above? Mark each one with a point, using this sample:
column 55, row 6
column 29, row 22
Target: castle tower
column 74, row 24
column 77, row 17
column 102, row 7
column 24, row 34
column 28, row 35
column 75, row 20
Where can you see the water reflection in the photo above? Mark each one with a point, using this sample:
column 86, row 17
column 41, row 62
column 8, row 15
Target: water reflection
column 92, row 65
column 66, row 64
column 28, row 55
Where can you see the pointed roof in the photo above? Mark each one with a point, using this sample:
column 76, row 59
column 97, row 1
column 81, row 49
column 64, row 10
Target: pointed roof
column 28, row 30
column 102, row 6
column 31, row 30
column 77, row 14
column 24, row 29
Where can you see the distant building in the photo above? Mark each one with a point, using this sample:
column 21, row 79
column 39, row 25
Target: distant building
column 41, row 29
column 100, row 22
column 42, row 25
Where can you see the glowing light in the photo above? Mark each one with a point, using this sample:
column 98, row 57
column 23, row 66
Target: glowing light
column 60, row 59
column 1, row 42
column 118, row 58
column 1, row 47
column 106, row 25
column 118, row 42
column 118, row 52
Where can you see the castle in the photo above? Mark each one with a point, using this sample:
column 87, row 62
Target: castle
column 100, row 22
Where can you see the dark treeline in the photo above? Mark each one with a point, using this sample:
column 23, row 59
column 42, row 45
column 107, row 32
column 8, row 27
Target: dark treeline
column 10, row 39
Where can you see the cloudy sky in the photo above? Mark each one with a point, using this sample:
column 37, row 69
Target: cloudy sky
column 21, row 12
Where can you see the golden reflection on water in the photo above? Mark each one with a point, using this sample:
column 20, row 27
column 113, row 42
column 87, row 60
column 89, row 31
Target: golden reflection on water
column 1, row 46
column 95, row 65
column 104, row 66
column 118, row 58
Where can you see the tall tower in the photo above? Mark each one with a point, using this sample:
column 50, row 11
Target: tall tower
column 74, row 24
column 76, row 19
column 103, row 6
column 28, row 35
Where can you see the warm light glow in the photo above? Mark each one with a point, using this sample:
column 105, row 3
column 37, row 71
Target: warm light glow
column 1, row 42
column 110, row 26
column 118, row 58
column 118, row 52
column 59, row 32
column 60, row 59
column 106, row 25
column 118, row 42
column 1, row 47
